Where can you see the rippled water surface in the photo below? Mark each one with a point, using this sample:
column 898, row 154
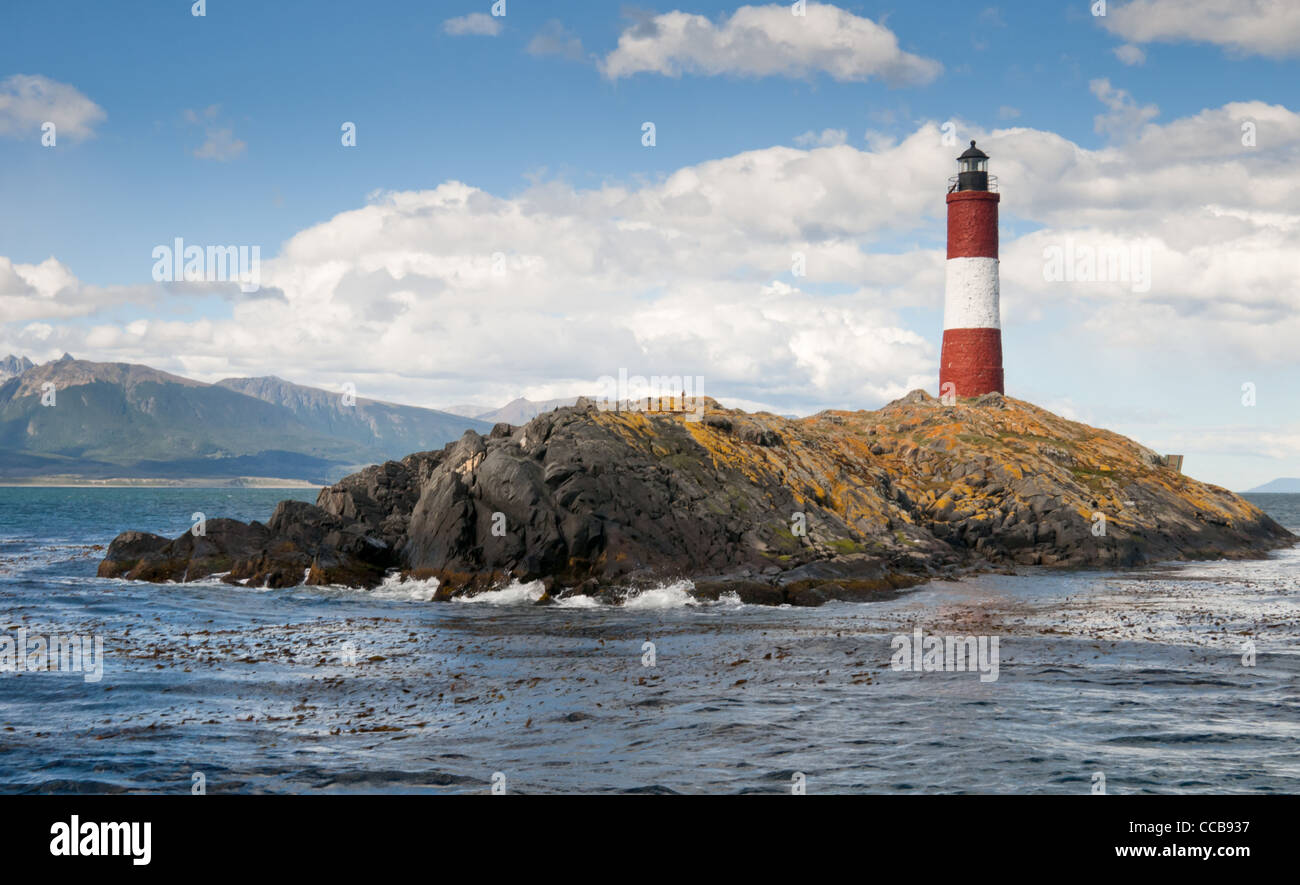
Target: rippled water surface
column 1139, row 676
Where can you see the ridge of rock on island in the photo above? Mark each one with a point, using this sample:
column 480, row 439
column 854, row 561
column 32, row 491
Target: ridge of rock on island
column 596, row 502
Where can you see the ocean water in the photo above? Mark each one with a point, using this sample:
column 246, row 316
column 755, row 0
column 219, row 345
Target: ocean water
column 1169, row 679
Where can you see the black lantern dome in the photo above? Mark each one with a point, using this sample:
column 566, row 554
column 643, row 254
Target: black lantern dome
column 973, row 169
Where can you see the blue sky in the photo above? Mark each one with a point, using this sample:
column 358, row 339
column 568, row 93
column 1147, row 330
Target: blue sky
column 432, row 107
column 533, row 119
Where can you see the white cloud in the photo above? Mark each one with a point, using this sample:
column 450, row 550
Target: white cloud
column 555, row 39
column 761, row 41
column 477, row 24
column 51, row 291
column 1125, row 116
column 825, row 138
column 219, row 142
column 1130, row 54
column 691, row 274
column 220, row 145
column 27, row 101
column 1263, row 27
column 1279, row 443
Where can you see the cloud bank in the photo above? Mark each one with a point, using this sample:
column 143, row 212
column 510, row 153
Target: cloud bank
column 763, row 41
column 457, row 294
column 1247, row 27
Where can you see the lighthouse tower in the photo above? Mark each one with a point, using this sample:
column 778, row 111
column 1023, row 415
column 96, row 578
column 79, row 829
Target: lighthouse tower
column 971, row 363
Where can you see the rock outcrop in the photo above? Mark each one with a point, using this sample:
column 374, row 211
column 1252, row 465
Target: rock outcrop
column 838, row 505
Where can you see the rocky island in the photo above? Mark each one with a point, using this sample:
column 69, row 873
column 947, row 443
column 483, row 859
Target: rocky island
column 839, row 505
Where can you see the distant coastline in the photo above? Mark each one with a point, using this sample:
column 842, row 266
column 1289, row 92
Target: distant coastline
column 234, row 482
column 1282, row 486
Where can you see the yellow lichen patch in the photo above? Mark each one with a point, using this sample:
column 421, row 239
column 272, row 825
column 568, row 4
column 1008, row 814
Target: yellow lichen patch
column 913, row 460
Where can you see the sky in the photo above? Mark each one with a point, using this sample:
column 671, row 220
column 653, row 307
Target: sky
column 505, row 225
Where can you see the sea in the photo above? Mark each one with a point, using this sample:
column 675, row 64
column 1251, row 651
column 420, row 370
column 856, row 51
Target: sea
column 1172, row 678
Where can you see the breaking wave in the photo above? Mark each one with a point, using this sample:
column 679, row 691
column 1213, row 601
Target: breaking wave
column 513, row 593
column 395, row 586
column 674, row 595
column 677, row 594
column 578, row 601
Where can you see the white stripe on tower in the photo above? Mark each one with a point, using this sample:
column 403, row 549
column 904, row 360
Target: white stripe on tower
column 970, row 295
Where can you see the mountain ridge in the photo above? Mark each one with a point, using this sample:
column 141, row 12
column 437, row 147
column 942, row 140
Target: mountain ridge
column 12, row 366
column 401, row 428
column 132, row 420
column 518, row 411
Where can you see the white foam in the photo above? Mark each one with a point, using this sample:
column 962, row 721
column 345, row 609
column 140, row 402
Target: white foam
column 578, row 601
column 395, row 586
column 514, row 593
column 674, row 595
column 664, row 596
column 731, row 599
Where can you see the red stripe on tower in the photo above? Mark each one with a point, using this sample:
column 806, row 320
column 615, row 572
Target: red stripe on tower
column 971, row 361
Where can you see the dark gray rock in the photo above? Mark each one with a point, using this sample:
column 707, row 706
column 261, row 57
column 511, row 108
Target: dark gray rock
column 777, row 511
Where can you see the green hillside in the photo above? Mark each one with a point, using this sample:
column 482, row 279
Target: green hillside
column 117, row 419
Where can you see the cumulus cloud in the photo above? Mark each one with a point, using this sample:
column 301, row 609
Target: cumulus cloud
column 1124, row 116
column 29, row 100
column 1262, row 27
column 51, row 291
column 457, row 294
column 477, row 24
column 763, row 41
column 825, row 138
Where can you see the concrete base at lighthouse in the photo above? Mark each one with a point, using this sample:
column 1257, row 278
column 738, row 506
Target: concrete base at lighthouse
column 971, row 362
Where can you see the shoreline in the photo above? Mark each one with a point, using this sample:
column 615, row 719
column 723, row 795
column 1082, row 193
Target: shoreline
column 238, row 482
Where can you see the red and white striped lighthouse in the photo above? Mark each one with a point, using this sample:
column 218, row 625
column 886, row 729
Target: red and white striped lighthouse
column 971, row 362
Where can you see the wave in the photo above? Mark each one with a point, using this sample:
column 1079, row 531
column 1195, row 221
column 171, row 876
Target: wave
column 677, row 594
column 578, row 601
column 514, row 593
column 394, row 586
column 674, row 595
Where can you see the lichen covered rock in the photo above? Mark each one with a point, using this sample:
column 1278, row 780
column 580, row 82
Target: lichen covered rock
column 853, row 505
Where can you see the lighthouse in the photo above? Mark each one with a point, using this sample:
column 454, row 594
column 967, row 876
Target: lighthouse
column 971, row 361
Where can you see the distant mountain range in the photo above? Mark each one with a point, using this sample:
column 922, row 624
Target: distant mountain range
column 517, row 411
column 1283, row 485
column 111, row 420
column 11, row 366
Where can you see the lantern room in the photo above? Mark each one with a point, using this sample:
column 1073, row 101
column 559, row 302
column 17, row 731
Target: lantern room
column 973, row 171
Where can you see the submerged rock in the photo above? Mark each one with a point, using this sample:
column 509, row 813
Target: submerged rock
column 840, row 505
